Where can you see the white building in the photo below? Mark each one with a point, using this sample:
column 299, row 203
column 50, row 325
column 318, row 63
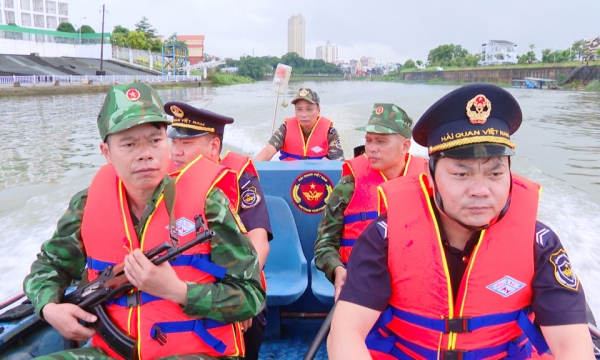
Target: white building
column 328, row 53
column 498, row 52
column 296, row 40
column 368, row 61
column 42, row 14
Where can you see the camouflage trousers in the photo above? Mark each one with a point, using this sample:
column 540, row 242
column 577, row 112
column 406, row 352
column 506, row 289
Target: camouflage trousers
column 95, row 353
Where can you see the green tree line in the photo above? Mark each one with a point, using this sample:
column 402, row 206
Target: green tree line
column 257, row 67
column 143, row 37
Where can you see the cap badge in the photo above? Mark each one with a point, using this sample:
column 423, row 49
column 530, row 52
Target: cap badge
column 133, row 94
column 177, row 112
column 478, row 109
column 379, row 110
column 303, row 93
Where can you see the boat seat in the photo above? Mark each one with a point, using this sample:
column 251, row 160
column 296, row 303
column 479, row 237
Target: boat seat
column 321, row 287
column 286, row 268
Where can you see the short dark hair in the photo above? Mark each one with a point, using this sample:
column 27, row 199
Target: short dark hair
column 217, row 136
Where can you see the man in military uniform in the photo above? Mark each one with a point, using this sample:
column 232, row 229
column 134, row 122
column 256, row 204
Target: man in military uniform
column 353, row 204
column 96, row 233
column 308, row 135
column 455, row 269
column 197, row 132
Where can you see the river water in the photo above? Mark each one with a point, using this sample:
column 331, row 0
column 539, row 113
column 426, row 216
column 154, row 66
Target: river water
column 49, row 151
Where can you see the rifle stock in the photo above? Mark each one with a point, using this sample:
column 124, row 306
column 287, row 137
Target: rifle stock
column 112, row 282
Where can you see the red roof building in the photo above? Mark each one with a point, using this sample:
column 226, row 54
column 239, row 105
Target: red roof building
column 195, row 44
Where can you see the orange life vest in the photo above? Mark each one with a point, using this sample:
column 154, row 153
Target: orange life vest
column 490, row 317
column 240, row 164
column 108, row 234
column 294, row 146
column 362, row 208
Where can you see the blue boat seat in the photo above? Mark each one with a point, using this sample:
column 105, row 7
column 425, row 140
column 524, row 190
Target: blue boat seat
column 321, row 287
column 286, row 267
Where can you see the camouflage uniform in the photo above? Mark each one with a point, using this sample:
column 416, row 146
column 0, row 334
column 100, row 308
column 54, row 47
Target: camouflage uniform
column 238, row 296
column 334, row 151
column 385, row 119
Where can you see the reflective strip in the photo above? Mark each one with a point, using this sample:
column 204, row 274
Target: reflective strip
column 200, row 262
column 347, row 242
column 363, row 216
column 97, row 265
column 144, row 298
column 199, row 327
column 284, row 155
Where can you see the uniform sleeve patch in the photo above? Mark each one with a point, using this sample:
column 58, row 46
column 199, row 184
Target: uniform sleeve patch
column 250, row 198
column 563, row 271
column 331, row 130
column 542, row 236
column 338, row 143
column 382, row 227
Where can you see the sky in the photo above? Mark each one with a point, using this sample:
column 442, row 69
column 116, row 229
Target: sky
column 388, row 30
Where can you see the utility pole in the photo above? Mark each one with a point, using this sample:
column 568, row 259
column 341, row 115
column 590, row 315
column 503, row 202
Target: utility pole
column 102, row 41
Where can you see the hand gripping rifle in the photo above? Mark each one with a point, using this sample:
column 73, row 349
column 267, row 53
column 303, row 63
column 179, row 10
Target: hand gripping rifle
column 112, row 282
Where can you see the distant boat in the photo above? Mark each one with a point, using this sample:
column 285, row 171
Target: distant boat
column 522, row 84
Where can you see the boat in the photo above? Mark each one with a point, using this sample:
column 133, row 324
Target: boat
column 299, row 297
column 522, row 84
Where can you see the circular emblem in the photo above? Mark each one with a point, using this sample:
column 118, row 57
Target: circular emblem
column 133, row 94
column 177, row 112
column 563, row 271
column 379, row 110
column 478, row 109
column 311, row 192
column 250, row 198
column 303, row 93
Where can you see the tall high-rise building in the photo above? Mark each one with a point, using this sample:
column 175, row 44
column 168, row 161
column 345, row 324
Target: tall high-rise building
column 296, row 35
column 34, row 13
column 328, row 53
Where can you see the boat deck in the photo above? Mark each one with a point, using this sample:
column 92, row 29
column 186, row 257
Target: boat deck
column 296, row 337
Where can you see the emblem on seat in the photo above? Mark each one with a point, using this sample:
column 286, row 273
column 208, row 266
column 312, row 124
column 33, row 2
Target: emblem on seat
column 506, row 286
column 478, row 109
column 311, row 192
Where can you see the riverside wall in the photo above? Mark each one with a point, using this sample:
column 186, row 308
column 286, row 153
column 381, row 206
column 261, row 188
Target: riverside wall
column 587, row 73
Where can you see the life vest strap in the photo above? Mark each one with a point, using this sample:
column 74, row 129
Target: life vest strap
column 362, row 216
column 135, row 298
column 285, row 155
column 199, row 326
column 200, row 262
column 97, row 265
column 347, row 242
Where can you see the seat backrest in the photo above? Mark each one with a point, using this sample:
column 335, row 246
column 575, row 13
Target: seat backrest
column 286, row 253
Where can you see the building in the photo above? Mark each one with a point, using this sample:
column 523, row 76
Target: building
column 296, row 40
column 591, row 47
column 42, row 14
column 498, row 52
column 328, row 53
column 195, row 44
column 367, row 62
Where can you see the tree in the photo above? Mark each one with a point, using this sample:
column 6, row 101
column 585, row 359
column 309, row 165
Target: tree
column 251, row 67
column 66, row 27
column 86, row 29
column 145, row 28
column 419, row 63
column 577, row 47
column 137, row 40
column 120, row 30
column 174, row 40
column 528, row 58
column 409, row 64
column 444, row 54
column 546, row 58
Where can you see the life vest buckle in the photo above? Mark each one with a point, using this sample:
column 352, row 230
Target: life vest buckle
column 133, row 299
column 457, row 325
column 158, row 335
column 363, row 216
column 452, row 354
column 304, row 157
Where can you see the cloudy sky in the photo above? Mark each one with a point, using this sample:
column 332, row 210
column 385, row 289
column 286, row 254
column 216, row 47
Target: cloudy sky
column 389, row 30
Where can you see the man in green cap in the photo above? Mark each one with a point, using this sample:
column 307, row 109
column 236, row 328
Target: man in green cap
column 353, row 203
column 306, row 136
column 131, row 206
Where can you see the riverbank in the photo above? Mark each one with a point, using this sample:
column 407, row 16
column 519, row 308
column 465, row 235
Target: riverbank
column 63, row 89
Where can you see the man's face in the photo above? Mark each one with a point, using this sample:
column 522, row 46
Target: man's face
column 184, row 151
column 473, row 191
column 140, row 156
column 307, row 113
column 386, row 150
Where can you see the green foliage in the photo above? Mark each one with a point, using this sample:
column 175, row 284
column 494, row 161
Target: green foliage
column 145, row 28
column 409, row 64
column 12, row 24
column 529, row 57
column 120, row 30
column 257, row 67
column 251, row 67
column 451, row 55
column 228, row 79
column 156, row 45
column 119, row 36
column 593, row 86
column 137, row 40
column 86, row 29
column 66, row 27
column 419, row 63
column 578, row 48
column 558, row 56
column 174, row 40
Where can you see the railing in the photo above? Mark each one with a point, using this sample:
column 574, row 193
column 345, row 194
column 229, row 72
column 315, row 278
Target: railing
column 101, row 79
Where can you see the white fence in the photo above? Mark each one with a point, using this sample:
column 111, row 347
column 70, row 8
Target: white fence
column 83, row 79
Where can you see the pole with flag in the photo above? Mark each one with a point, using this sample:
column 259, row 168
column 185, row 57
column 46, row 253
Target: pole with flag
column 280, row 82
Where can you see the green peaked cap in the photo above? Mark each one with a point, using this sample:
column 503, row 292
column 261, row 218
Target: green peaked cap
column 128, row 105
column 389, row 119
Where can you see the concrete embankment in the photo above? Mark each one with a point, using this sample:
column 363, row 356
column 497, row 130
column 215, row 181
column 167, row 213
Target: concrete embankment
column 584, row 75
column 47, row 89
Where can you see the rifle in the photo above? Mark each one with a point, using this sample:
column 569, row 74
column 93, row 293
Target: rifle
column 112, row 282
column 320, row 337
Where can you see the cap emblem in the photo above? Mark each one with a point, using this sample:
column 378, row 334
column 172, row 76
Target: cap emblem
column 133, row 94
column 379, row 110
column 478, row 109
column 177, row 112
column 303, row 93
